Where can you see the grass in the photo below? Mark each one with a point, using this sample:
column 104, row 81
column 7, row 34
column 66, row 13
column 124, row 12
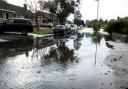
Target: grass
column 43, row 31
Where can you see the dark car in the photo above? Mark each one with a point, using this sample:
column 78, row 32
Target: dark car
column 60, row 30
column 16, row 25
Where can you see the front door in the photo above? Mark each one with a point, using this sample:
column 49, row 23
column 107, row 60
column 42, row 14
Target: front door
column 7, row 15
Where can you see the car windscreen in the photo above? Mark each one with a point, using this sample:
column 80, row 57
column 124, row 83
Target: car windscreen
column 21, row 21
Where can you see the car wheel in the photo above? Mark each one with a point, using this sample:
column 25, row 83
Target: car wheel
column 24, row 32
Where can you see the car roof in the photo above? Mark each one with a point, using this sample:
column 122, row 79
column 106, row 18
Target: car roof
column 19, row 19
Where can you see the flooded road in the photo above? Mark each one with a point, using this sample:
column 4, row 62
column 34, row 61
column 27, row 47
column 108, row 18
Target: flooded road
column 75, row 62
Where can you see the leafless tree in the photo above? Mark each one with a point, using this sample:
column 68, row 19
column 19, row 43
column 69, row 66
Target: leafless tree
column 33, row 6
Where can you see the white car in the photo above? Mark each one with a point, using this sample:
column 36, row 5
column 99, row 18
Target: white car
column 48, row 24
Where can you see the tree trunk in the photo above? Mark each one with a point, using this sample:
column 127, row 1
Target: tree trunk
column 37, row 25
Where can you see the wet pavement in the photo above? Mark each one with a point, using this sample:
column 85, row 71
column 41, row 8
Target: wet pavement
column 76, row 62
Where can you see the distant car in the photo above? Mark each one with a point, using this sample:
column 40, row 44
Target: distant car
column 60, row 30
column 16, row 25
column 48, row 24
column 74, row 28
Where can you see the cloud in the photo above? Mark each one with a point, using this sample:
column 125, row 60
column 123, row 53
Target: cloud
column 108, row 9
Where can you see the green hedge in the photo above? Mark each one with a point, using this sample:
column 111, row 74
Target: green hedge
column 118, row 26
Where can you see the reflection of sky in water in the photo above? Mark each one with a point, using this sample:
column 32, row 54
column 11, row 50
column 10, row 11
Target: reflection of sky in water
column 35, row 71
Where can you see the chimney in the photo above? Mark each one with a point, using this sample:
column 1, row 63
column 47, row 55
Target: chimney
column 25, row 7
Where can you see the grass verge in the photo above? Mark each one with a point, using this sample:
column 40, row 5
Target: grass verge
column 43, row 31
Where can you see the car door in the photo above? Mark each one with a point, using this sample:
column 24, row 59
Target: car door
column 8, row 25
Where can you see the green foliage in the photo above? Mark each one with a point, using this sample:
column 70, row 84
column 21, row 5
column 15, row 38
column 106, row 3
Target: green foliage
column 118, row 26
column 96, row 26
column 43, row 31
column 65, row 8
column 79, row 22
column 96, row 37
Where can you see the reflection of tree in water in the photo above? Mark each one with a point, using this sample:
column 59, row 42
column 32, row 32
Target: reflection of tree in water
column 77, row 41
column 96, row 38
column 60, row 54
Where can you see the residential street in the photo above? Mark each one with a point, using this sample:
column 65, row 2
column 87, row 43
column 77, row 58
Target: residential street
column 76, row 62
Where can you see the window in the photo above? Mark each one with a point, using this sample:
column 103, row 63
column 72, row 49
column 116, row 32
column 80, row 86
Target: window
column 21, row 21
column 7, row 15
column 1, row 14
column 9, row 21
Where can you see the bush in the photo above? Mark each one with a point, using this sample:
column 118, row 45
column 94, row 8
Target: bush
column 118, row 26
column 96, row 26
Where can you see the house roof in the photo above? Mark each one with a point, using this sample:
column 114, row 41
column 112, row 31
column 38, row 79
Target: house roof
column 50, row 15
column 47, row 15
column 4, row 6
column 9, row 7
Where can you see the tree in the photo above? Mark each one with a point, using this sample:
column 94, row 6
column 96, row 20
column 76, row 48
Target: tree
column 62, row 8
column 33, row 7
column 3, row 1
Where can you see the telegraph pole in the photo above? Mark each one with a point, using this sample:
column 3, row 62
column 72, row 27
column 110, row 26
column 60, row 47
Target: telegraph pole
column 97, row 9
column 97, row 28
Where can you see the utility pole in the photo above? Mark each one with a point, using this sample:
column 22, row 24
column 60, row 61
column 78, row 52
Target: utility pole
column 97, row 28
column 97, row 9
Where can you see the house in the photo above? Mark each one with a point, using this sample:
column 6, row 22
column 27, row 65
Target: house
column 45, row 17
column 12, row 11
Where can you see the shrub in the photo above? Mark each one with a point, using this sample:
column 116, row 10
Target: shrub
column 96, row 26
column 118, row 26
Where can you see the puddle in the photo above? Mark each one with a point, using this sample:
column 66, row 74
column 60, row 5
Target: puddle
column 75, row 62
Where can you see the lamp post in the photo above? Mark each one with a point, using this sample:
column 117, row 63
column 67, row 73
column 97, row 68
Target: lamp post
column 97, row 9
column 97, row 28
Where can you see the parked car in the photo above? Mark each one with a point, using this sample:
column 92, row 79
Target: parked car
column 48, row 24
column 61, row 30
column 74, row 28
column 16, row 25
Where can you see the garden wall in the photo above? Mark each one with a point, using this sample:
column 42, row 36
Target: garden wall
column 123, row 38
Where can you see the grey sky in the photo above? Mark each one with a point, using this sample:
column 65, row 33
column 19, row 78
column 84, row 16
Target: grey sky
column 108, row 8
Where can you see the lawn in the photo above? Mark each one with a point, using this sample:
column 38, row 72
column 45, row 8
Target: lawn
column 43, row 31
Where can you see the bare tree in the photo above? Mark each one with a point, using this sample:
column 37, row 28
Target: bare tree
column 33, row 6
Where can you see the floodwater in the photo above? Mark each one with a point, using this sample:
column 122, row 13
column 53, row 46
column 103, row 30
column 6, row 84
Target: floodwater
column 75, row 62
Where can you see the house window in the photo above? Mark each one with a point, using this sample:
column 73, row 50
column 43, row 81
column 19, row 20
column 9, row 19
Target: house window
column 7, row 15
column 1, row 14
column 11, row 21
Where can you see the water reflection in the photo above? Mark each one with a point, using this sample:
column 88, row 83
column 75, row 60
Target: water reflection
column 96, row 38
column 54, row 62
column 77, row 41
column 109, row 45
column 12, row 48
column 61, row 53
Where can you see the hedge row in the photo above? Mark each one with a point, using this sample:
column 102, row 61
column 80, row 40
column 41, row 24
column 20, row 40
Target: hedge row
column 118, row 26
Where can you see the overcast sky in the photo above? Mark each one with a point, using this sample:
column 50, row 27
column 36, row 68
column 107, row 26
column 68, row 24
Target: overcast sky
column 108, row 8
